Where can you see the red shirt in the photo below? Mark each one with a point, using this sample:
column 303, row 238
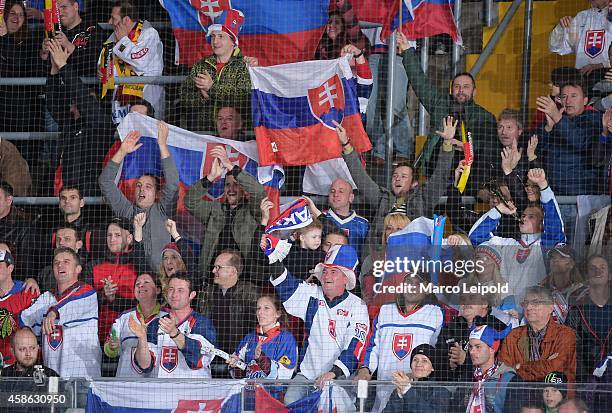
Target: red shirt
column 11, row 305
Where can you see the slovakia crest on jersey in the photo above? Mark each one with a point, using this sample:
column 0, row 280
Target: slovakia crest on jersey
column 331, row 327
column 402, row 344
column 56, row 338
column 209, row 9
column 169, row 358
column 327, row 101
column 522, row 255
column 594, row 42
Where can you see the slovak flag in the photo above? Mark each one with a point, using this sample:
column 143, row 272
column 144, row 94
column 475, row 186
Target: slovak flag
column 190, row 152
column 422, row 18
column 274, row 31
column 294, row 109
column 164, row 397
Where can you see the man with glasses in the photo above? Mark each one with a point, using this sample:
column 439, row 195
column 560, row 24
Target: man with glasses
column 230, row 304
column 541, row 346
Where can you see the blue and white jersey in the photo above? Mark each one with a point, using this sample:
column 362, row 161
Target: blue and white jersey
column 279, row 346
column 73, row 349
column 522, row 263
column 126, row 366
column 169, row 361
column 356, row 228
column 394, row 334
column 336, row 330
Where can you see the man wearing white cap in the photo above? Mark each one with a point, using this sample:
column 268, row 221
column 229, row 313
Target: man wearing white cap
column 336, row 320
column 491, row 376
column 219, row 80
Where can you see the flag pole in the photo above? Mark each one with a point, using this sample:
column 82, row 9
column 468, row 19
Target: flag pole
column 399, row 25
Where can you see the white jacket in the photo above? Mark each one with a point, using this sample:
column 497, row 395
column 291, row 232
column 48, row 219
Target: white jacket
column 588, row 36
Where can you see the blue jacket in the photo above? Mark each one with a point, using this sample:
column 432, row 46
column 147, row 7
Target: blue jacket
column 568, row 155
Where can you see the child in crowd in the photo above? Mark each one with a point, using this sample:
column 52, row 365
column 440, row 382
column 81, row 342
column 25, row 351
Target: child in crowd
column 555, row 391
column 306, row 251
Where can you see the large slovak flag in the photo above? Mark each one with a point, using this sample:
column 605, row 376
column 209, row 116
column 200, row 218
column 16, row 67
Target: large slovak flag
column 166, row 397
column 331, row 399
column 191, row 153
column 274, row 31
column 294, row 109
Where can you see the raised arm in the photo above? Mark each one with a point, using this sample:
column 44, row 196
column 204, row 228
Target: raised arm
column 169, row 194
column 113, row 196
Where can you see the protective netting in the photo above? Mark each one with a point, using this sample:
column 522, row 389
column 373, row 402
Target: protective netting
column 257, row 190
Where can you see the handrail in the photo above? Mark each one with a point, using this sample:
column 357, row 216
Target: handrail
column 119, row 80
column 488, row 50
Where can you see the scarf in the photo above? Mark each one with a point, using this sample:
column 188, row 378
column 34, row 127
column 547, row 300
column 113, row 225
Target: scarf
column 109, row 66
column 296, row 216
column 535, row 340
column 477, row 401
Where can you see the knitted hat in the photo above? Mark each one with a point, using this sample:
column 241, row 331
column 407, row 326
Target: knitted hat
column 172, row 247
column 557, row 380
column 343, row 257
column 490, row 252
column 425, row 350
column 230, row 21
column 489, row 335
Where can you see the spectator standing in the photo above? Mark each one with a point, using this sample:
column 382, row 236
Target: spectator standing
column 14, row 298
column 591, row 317
column 82, row 121
column 177, row 256
column 20, row 108
column 67, row 318
column 228, row 303
column 219, row 80
column 172, row 346
column 522, row 262
column 229, row 224
column 541, row 346
column 68, row 236
column 159, row 204
column 587, row 35
column 306, row 251
column 120, row 341
column 459, row 104
column 78, row 38
column 398, row 330
column 134, row 49
column 336, row 321
column 404, row 196
column 113, row 275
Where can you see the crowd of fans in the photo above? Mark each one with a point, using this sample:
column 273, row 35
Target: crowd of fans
column 129, row 292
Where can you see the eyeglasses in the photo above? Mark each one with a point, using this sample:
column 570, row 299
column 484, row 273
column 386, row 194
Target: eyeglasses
column 527, row 303
column 13, row 14
column 218, row 267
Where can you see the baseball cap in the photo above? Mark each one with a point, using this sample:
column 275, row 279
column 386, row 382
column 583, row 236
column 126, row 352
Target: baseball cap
column 122, row 223
column 343, row 257
column 564, row 250
column 230, row 21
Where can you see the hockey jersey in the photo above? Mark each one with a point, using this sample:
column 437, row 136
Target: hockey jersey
column 129, row 341
column 336, row 330
column 192, row 360
column 588, row 36
column 355, row 227
column 278, row 345
column 393, row 336
column 146, row 57
column 522, row 263
column 73, row 349
column 11, row 304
